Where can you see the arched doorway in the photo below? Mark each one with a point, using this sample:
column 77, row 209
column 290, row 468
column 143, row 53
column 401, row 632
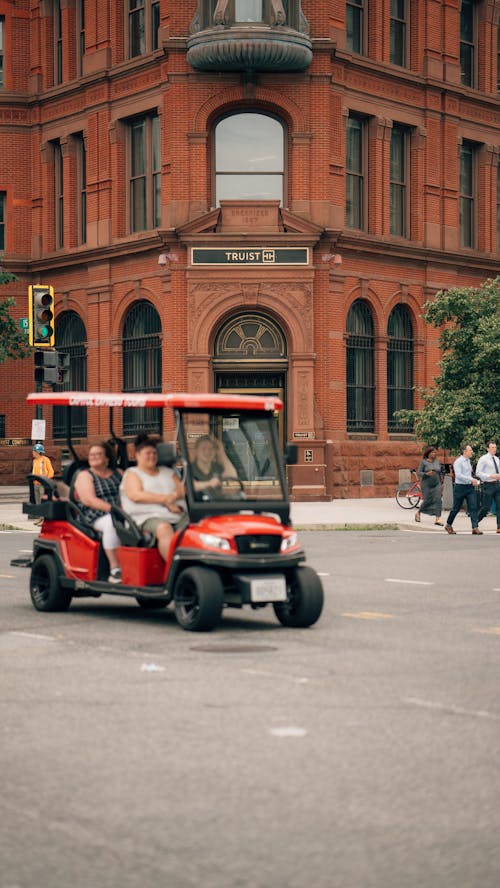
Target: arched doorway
column 250, row 356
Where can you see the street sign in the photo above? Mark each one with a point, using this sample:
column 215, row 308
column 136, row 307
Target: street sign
column 37, row 429
column 24, row 324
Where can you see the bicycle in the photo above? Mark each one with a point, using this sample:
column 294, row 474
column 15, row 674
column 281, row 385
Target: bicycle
column 409, row 495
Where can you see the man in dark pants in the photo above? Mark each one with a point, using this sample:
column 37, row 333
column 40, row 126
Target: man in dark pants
column 464, row 488
column 488, row 471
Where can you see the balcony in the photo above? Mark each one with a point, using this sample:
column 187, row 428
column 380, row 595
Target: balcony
column 253, row 36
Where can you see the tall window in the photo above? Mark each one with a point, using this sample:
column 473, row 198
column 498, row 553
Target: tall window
column 143, row 23
column 398, row 182
column 80, row 35
column 498, row 206
column 81, row 184
column 2, row 28
column 3, row 241
column 58, row 54
column 467, row 188
column 467, row 38
column 498, row 55
column 71, row 338
column 249, row 158
column 399, row 367
column 354, row 25
column 145, row 173
column 58, row 195
column 242, row 11
column 360, row 369
column 398, row 32
column 355, row 173
column 142, row 365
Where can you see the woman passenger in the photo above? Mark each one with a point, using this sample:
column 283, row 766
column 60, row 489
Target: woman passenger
column 96, row 490
column 152, row 495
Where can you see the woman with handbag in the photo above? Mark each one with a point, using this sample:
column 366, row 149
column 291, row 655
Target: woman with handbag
column 429, row 472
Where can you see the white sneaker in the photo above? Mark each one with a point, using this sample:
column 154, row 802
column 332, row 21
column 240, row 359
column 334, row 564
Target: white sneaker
column 115, row 575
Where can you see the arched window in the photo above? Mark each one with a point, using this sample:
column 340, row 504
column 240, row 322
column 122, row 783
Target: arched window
column 249, row 158
column 360, row 369
column 142, row 365
column 71, row 338
column 399, row 367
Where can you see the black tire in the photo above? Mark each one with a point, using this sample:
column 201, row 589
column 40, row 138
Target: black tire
column 151, row 603
column 305, row 600
column 407, row 500
column 199, row 599
column 45, row 588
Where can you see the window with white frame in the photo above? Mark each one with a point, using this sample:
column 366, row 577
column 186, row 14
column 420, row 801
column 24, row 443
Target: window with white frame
column 354, row 23
column 399, row 31
column 249, row 158
column 467, row 41
column 144, row 173
column 143, row 24
column 355, row 172
column 467, row 194
column 398, row 180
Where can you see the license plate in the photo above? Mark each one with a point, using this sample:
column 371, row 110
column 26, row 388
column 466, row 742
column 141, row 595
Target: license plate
column 268, row 589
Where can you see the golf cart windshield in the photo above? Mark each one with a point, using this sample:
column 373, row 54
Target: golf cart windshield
column 233, row 458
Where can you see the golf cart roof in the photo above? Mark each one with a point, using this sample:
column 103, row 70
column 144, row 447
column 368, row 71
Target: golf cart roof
column 189, row 401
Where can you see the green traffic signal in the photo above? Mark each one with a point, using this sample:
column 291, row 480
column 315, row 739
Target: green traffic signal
column 41, row 316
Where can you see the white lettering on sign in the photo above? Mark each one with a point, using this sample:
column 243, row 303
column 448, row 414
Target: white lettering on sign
column 243, row 255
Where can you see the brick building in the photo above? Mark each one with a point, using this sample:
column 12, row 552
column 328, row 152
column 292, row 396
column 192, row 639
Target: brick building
column 249, row 194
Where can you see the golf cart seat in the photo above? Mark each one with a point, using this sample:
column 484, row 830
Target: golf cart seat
column 129, row 533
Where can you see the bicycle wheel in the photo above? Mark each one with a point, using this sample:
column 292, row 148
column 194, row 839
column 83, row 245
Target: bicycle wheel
column 407, row 497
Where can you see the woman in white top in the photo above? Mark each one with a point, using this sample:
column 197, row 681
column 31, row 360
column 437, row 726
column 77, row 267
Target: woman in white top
column 150, row 494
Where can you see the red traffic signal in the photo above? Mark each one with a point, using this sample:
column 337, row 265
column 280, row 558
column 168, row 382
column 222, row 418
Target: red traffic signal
column 41, row 316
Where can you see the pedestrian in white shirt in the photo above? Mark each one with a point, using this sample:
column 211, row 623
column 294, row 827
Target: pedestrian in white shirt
column 463, row 489
column 488, row 471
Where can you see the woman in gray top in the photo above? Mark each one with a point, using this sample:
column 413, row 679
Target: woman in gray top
column 152, row 495
column 429, row 473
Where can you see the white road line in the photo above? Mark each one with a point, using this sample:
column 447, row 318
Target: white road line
column 260, row 672
column 409, row 582
column 451, row 709
column 33, row 635
column 288, row 731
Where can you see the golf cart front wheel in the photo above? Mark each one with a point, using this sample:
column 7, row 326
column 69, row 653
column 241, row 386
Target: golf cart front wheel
column 305, row 600
column 199, row 599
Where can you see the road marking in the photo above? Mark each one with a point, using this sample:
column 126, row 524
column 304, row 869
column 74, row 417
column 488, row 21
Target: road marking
column 368, row 615
column 6, row 576
column 320, row 574
column 494, row 630
column 288, row 731
column 409, row 582
column 33, row 635
column 263, row 674
column 451, row 709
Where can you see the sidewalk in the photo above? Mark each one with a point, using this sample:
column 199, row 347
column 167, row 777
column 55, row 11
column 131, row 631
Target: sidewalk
column 363, row 513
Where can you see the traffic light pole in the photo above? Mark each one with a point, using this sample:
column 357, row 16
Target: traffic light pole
column 38, row 407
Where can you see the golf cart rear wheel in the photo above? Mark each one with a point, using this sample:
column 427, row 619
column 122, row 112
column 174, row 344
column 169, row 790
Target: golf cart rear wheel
column 305, row 599
column 199, row 598
column 45, row 588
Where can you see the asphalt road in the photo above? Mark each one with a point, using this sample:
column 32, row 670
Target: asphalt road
column 361, row 753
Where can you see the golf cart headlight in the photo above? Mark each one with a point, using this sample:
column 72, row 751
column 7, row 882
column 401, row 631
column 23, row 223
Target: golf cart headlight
column 215, row 542
column 289, row 542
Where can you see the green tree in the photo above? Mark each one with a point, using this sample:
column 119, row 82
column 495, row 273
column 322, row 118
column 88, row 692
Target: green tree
column 463, row 405
column 13, row 342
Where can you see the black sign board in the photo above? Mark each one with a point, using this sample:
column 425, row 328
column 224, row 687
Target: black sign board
column 268, row 256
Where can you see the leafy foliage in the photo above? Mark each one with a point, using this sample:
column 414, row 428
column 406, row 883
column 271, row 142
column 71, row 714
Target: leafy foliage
column 13, row 342
column 463, row 404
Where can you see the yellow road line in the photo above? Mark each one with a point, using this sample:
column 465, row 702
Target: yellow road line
column 369, row 615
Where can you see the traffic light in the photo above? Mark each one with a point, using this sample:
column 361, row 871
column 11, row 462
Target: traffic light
column 41, row 316
column 62, row 367
column 46, row 369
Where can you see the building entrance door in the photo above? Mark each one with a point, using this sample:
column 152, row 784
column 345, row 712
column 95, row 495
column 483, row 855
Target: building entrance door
column 250, row 358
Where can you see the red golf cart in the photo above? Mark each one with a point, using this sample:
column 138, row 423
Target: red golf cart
column 233, row 546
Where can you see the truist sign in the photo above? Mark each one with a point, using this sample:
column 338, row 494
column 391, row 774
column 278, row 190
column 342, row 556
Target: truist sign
column 250, row 256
